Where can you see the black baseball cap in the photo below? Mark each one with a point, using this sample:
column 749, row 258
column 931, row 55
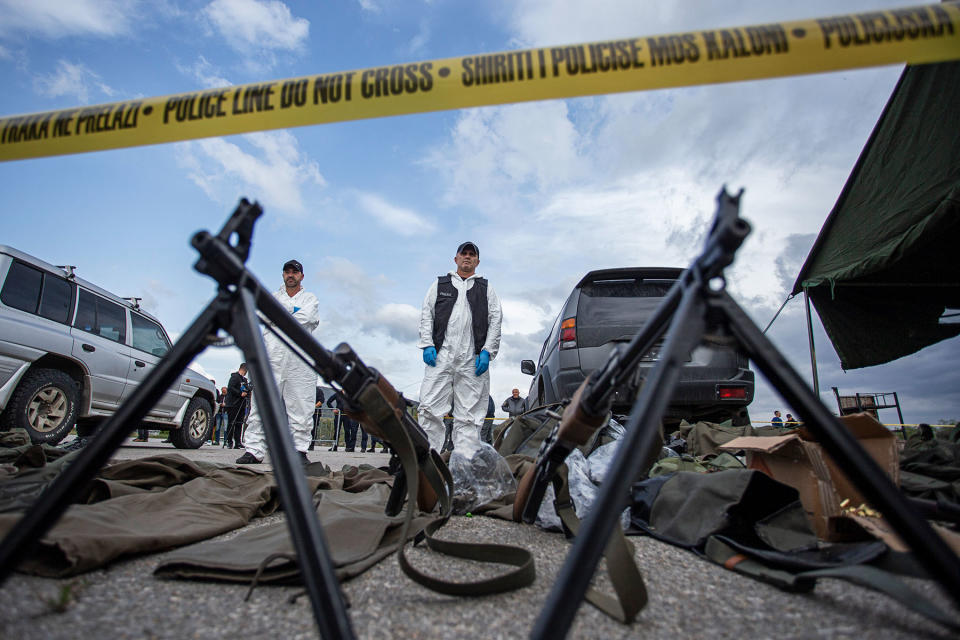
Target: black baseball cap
column 293, row 265
column 468, row 244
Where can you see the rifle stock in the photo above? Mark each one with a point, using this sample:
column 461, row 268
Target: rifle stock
column 372, row 401
column 576, row 428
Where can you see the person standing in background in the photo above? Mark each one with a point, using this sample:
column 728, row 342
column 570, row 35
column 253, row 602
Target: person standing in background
column 514, row 404
column 234, row 402
column 295, row 379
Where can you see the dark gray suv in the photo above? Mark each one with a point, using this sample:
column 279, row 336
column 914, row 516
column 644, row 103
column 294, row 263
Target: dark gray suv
column 609, row 306
column 71, row 353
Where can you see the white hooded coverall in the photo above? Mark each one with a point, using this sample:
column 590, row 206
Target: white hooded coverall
column 296, row 381
column 455, row 378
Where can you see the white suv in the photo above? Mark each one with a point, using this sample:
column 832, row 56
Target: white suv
column 71, row 353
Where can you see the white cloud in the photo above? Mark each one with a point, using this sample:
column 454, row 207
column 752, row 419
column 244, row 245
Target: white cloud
column 418, row 43
column 497, row 156
column 522, row 316
column 55, row 19
column 274, row 170
column 350, row 280
column 258, row 25
column 369, row 5
column 403, row 221
column 205, row 73
column 151, row 294
column 398, row 321
column 73, row 80
column 546, row 22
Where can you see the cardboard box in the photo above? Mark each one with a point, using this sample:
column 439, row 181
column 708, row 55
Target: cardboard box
column 798, row 460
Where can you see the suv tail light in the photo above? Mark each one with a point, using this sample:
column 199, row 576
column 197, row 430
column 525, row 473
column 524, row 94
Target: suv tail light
column 568, row 334
column 732, row 393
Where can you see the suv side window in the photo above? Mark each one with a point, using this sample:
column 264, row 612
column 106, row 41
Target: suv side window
column 56, row 298
column 22, row 287
column 148, row 336
column 101, row 317
column 31, row 290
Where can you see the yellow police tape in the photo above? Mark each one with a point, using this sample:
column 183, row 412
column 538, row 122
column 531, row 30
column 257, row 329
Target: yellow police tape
column 914, row 35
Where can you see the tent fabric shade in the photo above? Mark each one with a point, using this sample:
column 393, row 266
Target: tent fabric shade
column 885, row 266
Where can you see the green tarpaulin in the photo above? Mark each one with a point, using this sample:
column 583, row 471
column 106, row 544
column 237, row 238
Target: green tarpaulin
column 883, row 273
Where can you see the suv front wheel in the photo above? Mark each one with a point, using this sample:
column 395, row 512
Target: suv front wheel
column 196, row 425
column 45, row 404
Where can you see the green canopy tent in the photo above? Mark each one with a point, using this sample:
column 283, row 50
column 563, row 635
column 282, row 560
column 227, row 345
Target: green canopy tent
column 884, row 273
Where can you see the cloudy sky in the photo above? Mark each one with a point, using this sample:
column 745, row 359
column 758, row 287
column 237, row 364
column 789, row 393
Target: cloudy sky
column 375, row 209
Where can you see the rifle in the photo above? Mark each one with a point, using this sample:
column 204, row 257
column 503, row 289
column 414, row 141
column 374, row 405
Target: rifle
column 590, row 405
column 370, row 399
column 697, row 305
column 421, row 477
column 589, row 410
column 239, row 307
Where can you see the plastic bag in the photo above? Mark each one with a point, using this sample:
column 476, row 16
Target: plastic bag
column 582, row 489
column 584, row 476
column 667, row 452
column 613, row 429
column 676, row 444
column 547, row 517
column 599, row 461
column 480, row 475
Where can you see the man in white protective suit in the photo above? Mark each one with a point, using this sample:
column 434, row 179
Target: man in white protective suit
column 460, row 335
column 296, row 381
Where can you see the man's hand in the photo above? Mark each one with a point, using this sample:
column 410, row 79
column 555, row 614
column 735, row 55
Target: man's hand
column 430, row 356
column 483, row 362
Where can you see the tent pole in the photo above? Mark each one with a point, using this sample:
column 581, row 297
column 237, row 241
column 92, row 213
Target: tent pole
column 813, row 350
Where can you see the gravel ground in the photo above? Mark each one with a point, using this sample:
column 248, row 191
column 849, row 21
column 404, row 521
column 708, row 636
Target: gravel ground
column 689, row 597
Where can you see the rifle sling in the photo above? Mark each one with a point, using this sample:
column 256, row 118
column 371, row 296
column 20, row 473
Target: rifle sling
column 867, row 576
column 624, row 574
column 437, row 475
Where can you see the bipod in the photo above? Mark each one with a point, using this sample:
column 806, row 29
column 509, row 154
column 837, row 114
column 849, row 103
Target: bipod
column 234, row 310
column 698, row 305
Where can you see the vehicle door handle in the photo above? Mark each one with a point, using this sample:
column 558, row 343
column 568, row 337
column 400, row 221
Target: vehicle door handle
column 88, row 347
column 140, row 363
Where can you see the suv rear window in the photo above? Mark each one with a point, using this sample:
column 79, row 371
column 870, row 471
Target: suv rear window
column 31, row 290
column 22, row 287
column 616, row 309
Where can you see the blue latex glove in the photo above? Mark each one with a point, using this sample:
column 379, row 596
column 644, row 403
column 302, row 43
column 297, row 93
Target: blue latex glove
column 483, row 361
column 430, row 356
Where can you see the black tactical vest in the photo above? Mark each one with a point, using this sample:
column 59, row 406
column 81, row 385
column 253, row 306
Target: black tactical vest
column 447, row 297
